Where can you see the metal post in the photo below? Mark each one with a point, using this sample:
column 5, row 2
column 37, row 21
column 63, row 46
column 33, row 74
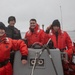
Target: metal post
column 43, row 26
column 61, row 17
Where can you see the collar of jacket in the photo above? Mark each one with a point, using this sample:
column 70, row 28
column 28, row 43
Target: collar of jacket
column 36, row 29
column 51, row 32
column 59, row 31
column 4, row 39
column 11, row 27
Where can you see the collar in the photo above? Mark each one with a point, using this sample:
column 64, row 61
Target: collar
column 36, row 29
column 3, row 39
column 53, row 32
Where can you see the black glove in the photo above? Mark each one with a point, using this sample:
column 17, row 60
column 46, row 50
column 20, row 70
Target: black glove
column 51, row 44
column 47, row 31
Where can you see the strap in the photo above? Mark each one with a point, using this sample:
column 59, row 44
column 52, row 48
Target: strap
column 4, row 63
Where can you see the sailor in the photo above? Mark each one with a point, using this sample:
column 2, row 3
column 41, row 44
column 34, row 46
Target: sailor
column 35, row 34
column 61, row 40
column 6, row 44
column 12, row 32
column 72, row 62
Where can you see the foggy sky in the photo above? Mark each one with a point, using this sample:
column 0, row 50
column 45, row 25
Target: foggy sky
column 44, row 11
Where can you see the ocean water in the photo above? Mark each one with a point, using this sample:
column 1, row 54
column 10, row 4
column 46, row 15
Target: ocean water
column 22, row 34
column 71, row 34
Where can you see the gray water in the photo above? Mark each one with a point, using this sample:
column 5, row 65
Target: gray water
column 71, row 34
column 22, row 34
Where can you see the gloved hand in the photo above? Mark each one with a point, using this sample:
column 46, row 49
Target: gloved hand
column 51, row 44
column 48, row 29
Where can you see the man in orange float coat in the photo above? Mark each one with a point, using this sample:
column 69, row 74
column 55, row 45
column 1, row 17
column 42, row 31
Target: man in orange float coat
column 72, row 63
column 35, row 34
column 6, row 44
column 60, row 39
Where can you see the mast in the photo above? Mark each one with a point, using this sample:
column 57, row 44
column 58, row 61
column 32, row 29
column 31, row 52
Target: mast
column 61, row 18
column 43, row 26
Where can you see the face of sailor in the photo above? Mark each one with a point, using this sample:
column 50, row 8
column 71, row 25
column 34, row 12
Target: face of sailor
column 32, row 24
column 56, row 28
column 2, row 32
column 12, row 23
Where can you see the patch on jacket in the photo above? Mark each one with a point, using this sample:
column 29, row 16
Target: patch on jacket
column 6, row 46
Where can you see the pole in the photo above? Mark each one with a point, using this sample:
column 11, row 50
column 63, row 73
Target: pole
column 43, row 26
column 61, row 17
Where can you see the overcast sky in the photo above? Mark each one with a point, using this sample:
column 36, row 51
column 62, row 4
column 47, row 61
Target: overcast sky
column 44, row 11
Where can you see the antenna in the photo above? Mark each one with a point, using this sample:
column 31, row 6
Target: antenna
column 61, row 17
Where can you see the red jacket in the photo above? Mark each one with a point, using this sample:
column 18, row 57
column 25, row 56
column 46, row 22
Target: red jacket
column 62, row 42
column 9, row 44
column 36, row 36
column 72, row 66
column 6, row 44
